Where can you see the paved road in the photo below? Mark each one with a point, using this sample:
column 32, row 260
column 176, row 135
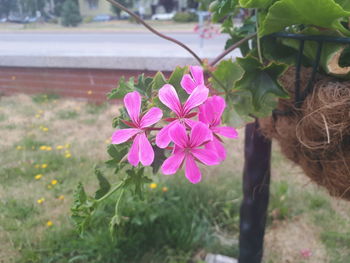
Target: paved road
column 105, row 44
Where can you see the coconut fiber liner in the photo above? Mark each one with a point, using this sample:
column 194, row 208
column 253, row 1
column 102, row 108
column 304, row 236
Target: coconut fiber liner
column 317, row 135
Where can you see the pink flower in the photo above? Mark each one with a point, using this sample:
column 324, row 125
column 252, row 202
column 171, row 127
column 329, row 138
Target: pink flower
column 210, row 113
column 189, row 83
column 187, row 149
column 141, row 149
column 169, row 97
column 306, row 253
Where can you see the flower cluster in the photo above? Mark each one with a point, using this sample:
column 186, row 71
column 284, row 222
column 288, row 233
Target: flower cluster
column 192, row 132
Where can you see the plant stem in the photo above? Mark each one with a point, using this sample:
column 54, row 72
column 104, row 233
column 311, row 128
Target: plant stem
column 115, row 188
column 150, row 28
column 230, row 49
column 257, row 36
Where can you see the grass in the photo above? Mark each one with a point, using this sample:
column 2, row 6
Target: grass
column 179, row 223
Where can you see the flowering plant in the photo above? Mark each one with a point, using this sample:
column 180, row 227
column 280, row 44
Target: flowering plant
column 176, row 122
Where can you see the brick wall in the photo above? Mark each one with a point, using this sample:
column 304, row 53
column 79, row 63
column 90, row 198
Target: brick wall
column 92, row 84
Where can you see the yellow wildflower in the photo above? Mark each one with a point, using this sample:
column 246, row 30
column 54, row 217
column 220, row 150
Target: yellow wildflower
column 89, row 92
column 44, row 165
column 153, row 185
column 165, row 189
column 45, row 129
column 59, row 147
column 38, row 176
column 19, row 147
column 48, row 148
column 37, row 116
column 49, row 186
column 67, row 145
column 54, row 181
column 43, row 147
column 49, row 223
column 40, row 201
column 61, row 197
column 68, row 155
column 37, row 166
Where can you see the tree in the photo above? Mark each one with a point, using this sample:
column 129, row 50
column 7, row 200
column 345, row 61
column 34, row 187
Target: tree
column 70, row 13
column 6, row 6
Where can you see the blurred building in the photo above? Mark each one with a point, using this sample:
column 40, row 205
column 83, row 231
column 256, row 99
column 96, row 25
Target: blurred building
column 144, row 7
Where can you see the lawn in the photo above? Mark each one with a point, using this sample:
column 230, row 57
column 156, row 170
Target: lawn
column 49, row 144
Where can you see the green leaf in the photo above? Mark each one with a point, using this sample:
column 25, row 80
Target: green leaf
column 322, row 13
column 144, row 85
column 220, row 9
column 256, row 3
column 159, row 158
column 330, row 51
column 344, row 4
column 122, row 89
column 226, row 75
column 137, row 180
column 82, row 209
column 117, row 151
column 103, row 183
column 158, row 81
column 260, row 80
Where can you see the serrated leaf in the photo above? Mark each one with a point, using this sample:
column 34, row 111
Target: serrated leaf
column 260, row 80
column 284, row 13
column 122, row 89
column 222, row 8
column 103, row 183
column 82, row 209
column 226, row 75
column 136, row 179
column 144, row 85
column 117, row 151
column 158, row 81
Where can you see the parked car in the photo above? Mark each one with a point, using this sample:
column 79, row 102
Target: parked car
column 102, row 18
column 165, row 16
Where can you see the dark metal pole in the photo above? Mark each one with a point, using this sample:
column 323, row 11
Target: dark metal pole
column 256, row 181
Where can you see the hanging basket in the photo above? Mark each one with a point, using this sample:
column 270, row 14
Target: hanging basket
column 312, row 127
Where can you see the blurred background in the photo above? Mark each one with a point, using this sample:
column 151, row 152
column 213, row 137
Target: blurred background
column 58, row 59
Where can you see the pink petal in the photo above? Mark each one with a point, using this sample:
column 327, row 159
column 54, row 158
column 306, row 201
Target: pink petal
column 120, row 136
column 173, row 163
column 200, row 134
column 217, row 147
column 188, row 84
column 168, row 96
column 151, row 117
column 163, row 139
column 197, row 73
column 206, row 156
column 133, row 155
column 190, row 123
column 146, row 153
column 178, row 135
column 213, row 109
column 228, row 132
column 132, row 102
column 198, row 96
column 202, row 113
column 192, row 171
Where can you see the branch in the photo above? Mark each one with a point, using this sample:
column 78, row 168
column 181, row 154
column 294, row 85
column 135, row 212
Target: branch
column 230, row 49
column 150, row 28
